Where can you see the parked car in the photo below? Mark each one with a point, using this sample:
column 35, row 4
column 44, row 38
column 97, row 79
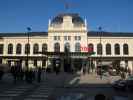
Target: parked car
column 130, row 83
column 126, row 84
column 119, row 84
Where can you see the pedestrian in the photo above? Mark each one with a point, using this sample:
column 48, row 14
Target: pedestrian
column 14, row 74
column 88, row 69
column 1, row 74
column 84, row 69
column 27, row 75
column 92, row 67
column 100, row 73
column 39, row 75
column 129, row 71
column 30, row 75
column 123, row 76
column 21, row 74
column 57, row 69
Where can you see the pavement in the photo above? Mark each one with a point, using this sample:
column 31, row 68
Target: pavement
column 24, row 91
column 53, row 85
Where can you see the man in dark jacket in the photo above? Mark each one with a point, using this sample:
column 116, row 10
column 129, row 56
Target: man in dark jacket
column 39, row 74
column 14, row 73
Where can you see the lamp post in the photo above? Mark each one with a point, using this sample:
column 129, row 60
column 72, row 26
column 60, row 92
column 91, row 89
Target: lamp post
column 100, row 37
column 28, row 46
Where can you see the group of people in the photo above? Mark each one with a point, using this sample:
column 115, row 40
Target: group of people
column 88, row 69
column 28, row 75
column 124, row 72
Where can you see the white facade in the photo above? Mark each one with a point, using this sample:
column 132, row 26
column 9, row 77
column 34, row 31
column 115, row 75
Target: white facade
column 65, row 32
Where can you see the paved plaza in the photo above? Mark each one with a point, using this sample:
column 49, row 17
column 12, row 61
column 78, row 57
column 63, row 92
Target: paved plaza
column 53, row 86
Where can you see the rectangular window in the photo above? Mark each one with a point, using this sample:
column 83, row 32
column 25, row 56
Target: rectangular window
column 1, row 48
column 55, row 37
column 58, row 37
column 65, row 37
column 75, row 37
column 79, row 37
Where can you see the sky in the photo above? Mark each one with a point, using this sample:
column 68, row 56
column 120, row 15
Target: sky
column 111, row 15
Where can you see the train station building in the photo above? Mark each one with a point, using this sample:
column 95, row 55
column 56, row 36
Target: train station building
column 68, row 44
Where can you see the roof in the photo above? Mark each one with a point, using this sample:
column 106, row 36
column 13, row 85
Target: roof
column 23, row 34
column 109, row 34
column 90, row 34
column 68, row 14
column 76, row 19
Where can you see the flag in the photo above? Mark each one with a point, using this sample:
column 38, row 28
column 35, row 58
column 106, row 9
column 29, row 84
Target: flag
column 28, row 28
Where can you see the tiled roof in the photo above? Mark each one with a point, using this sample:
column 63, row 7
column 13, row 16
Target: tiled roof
column 23, row 34
column 109, row 34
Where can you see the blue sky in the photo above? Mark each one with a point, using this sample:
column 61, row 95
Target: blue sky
column 111, row 15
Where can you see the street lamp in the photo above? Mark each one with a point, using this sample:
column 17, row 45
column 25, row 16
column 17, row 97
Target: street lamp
column 28, row 46
column 100, row 37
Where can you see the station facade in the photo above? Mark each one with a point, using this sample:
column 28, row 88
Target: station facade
column 67, row 44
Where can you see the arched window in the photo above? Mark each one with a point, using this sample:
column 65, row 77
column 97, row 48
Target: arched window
column 77, row 47
column 27, row 49
column 67, row 47
column 99, row 49
column 90, row 47
column 108, row 49
column 1, row 48
column 56, row 47
column 35, row 49
column 117, row 49
column 10, row 48
column 44, row 47
column 18, row 49
column 125, row 49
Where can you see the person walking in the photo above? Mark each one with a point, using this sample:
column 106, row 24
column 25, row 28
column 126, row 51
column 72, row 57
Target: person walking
column 1, row 72
column 39, row 75
column 14, row 74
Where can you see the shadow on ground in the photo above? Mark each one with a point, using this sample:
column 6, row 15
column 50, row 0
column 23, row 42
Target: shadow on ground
column 73, row 87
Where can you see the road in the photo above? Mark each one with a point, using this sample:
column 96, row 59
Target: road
column 55, row 87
